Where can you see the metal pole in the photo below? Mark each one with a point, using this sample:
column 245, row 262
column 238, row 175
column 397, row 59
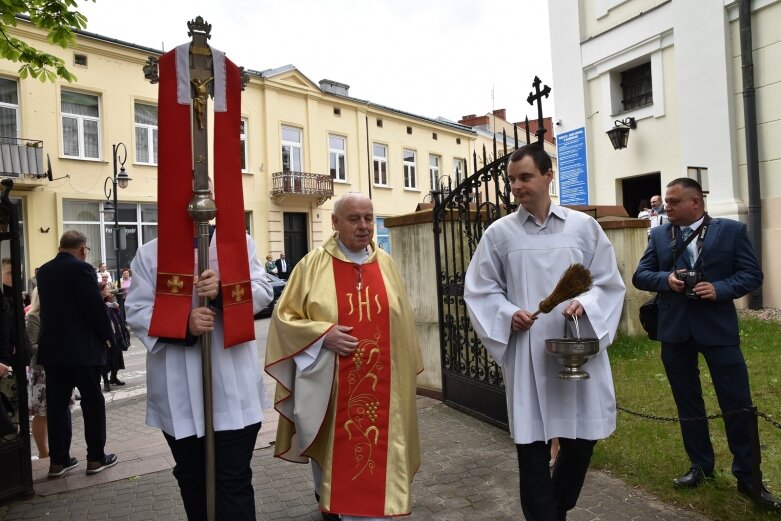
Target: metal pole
column 115, row 149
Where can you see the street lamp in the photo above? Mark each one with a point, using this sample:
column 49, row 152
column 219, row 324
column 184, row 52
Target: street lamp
column 619, row 134
column 121, row 180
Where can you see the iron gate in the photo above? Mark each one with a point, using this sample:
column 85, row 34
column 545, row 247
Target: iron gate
column 471, row 380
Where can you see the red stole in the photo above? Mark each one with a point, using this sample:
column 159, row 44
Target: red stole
column 360, row 450
column 175, row 269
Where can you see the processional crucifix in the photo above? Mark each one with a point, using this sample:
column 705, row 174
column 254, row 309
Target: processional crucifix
column 202, row 208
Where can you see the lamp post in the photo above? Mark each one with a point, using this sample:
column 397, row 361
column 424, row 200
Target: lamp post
column 120, row 179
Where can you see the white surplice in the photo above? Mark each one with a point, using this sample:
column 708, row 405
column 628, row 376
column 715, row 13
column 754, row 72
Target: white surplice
column 513, row 270
column 174, row 382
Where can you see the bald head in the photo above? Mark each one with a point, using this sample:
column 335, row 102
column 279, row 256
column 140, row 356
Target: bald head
column 353, row 219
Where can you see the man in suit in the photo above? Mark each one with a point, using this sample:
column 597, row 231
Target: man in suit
column 74, row 340
column 697, row 316
column 283, row 267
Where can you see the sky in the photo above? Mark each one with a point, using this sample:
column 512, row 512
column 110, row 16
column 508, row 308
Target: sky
column 433, row 58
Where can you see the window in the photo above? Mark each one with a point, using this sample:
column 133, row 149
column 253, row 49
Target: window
column 410, row 179
column 80, row 125
column 433, row 171
column 336, row 154
column 134, row 220
column 379, row 122
column 9, row 109
column 291, row 150
column 80, row 59
column 380, row 162
column 243, row 138
column 383, row 235
column 248, row 223
column 459, row 169
column 637, row 87
column 146, row 134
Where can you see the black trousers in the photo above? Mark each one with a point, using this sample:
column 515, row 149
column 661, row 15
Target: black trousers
column 730, row 380
column 547, row 496
column 60, row 382
column 233, row 455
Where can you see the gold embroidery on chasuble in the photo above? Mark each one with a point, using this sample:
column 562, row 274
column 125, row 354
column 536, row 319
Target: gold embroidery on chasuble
column 358, row 477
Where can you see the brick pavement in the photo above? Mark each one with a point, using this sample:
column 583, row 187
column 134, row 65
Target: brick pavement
column 468, row 472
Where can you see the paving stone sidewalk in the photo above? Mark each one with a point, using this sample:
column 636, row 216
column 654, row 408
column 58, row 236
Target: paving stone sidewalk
column 468, row 472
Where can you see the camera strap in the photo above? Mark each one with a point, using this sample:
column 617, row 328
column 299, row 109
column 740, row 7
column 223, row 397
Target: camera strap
column 699, row 234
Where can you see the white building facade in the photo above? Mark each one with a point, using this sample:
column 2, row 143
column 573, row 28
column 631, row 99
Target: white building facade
column 675, row 67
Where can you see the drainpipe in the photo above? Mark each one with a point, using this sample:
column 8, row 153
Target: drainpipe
column 368, row 155
column 752, row 148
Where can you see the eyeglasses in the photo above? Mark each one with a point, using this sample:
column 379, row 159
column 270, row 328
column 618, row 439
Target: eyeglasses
column 86, row 248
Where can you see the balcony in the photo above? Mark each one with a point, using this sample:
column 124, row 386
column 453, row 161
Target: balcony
column 301, row 185
column 22, row 160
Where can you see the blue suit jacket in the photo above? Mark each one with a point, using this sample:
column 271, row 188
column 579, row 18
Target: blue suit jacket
column 75, row 327
column 726, row 258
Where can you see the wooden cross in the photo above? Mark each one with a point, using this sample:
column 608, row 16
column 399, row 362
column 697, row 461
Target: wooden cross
column 201, row 87
column 538, row 98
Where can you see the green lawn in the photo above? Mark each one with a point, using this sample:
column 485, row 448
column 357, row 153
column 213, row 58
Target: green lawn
column 649, row 453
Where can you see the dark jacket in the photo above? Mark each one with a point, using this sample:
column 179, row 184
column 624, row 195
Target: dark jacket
column 727, row 261
column 283, row 274
column 75, row 329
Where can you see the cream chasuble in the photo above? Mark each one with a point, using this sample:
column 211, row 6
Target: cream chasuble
column 356, row 415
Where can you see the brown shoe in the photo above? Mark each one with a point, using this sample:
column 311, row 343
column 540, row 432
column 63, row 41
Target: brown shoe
column 58, row 470
column 109, row 460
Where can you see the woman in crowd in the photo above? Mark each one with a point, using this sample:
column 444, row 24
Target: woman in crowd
column 115, row 360
column 270, row 266
column 36, row 386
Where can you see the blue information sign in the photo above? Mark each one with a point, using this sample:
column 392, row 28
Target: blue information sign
column 573, row 168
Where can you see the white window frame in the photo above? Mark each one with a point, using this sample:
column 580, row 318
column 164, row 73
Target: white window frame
column 459, row 167
column 294, row 149
column 243, row 133
column 80, row 119
column 434, row 162
column 151, row 132
column 334, row 155
column 380, row 165
column 410, row 169
column 13, row 107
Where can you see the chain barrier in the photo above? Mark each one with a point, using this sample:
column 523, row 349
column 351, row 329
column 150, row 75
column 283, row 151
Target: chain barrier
column 675, row 419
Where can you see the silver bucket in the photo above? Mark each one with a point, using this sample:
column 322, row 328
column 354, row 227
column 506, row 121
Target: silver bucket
column 572, row 352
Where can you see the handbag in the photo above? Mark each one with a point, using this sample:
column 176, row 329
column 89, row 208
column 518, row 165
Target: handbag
column 649, row 316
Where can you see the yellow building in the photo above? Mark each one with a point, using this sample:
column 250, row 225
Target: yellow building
column 303, row 144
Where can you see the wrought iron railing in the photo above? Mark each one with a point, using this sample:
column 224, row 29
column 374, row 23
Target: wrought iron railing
column 303, row 184
column 21, row 156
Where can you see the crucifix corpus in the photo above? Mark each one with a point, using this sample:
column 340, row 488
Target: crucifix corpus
column 188, row 77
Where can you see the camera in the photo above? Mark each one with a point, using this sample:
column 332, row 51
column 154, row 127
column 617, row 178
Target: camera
column 690, row 279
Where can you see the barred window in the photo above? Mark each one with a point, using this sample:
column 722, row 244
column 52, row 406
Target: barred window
column 637, row 87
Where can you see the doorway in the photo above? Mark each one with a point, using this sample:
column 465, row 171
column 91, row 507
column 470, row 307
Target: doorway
column 635, row 189
column 296, row 236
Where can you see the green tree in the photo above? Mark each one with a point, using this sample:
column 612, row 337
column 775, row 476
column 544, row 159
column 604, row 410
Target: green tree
column 59, row 17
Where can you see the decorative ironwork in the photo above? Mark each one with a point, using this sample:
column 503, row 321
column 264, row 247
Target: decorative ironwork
column 14, row 446
column 244, row 78
column 471, row 379
column 301, row 184
column 151, row 69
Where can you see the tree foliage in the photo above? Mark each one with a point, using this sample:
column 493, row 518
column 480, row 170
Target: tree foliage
column 59, row 17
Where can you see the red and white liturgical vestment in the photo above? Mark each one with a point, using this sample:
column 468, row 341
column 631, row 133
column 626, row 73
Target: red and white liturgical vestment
column 175, row 273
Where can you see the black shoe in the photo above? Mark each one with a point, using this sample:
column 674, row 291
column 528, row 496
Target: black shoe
column 766, row 498
column 106, row 387
column 109, row 460
column 117, row 381
column 58, row 470
column 693, row 478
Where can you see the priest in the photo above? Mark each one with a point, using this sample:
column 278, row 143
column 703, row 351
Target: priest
column 343, row 348
column 516, row 265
